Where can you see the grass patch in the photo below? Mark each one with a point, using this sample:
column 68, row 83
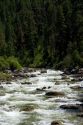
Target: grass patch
column 5, row 76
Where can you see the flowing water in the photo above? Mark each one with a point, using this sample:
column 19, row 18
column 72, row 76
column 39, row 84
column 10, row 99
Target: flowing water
column 16, row 96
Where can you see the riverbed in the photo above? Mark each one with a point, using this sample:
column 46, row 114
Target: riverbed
column 16, row 97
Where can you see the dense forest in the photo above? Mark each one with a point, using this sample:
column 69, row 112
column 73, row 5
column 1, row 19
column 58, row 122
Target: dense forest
column 41, row 33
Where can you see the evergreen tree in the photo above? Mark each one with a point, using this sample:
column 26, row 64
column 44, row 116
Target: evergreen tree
column 42, row 32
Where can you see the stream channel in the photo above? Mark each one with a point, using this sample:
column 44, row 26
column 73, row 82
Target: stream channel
column 27, row 104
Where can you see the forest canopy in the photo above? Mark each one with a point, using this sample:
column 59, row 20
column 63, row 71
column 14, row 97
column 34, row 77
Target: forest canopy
column 42, row 33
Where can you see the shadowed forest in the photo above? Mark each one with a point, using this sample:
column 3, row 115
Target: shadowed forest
column 41, row 33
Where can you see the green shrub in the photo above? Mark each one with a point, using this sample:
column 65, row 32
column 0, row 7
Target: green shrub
column 38, row 57
column 13, row 63
column 38, row 60
column 67, row 62
column 3, row 63
column 77, row 59
column 27, row 59
column 58, row 65
column 9, row 63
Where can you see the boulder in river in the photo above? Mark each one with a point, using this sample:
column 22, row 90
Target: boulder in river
column 54, row 93
column 49, row 87
column 32, row 75
column 44, row 88
column 56, row 123
column 76, row 107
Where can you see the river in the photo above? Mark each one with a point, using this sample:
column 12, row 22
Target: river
column 16, row 96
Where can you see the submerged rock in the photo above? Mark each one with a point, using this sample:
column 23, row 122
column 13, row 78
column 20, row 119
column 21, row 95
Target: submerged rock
column 61, row 100
column 65, row 77
column 27, row 108
column 43, row 71
column 31, row 70
column 8, row 83
column 20, row 74
column 80, row 114
column 76, row 87
column 54, row 93
column 1, row 87
column 77, row 79
column 41, row 89
column 26, row 83
column 57, row 83
column 2, row 93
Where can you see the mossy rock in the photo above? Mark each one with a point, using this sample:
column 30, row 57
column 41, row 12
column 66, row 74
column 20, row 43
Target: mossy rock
column 27, row 107
column 2, row 93
column 5, row 76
